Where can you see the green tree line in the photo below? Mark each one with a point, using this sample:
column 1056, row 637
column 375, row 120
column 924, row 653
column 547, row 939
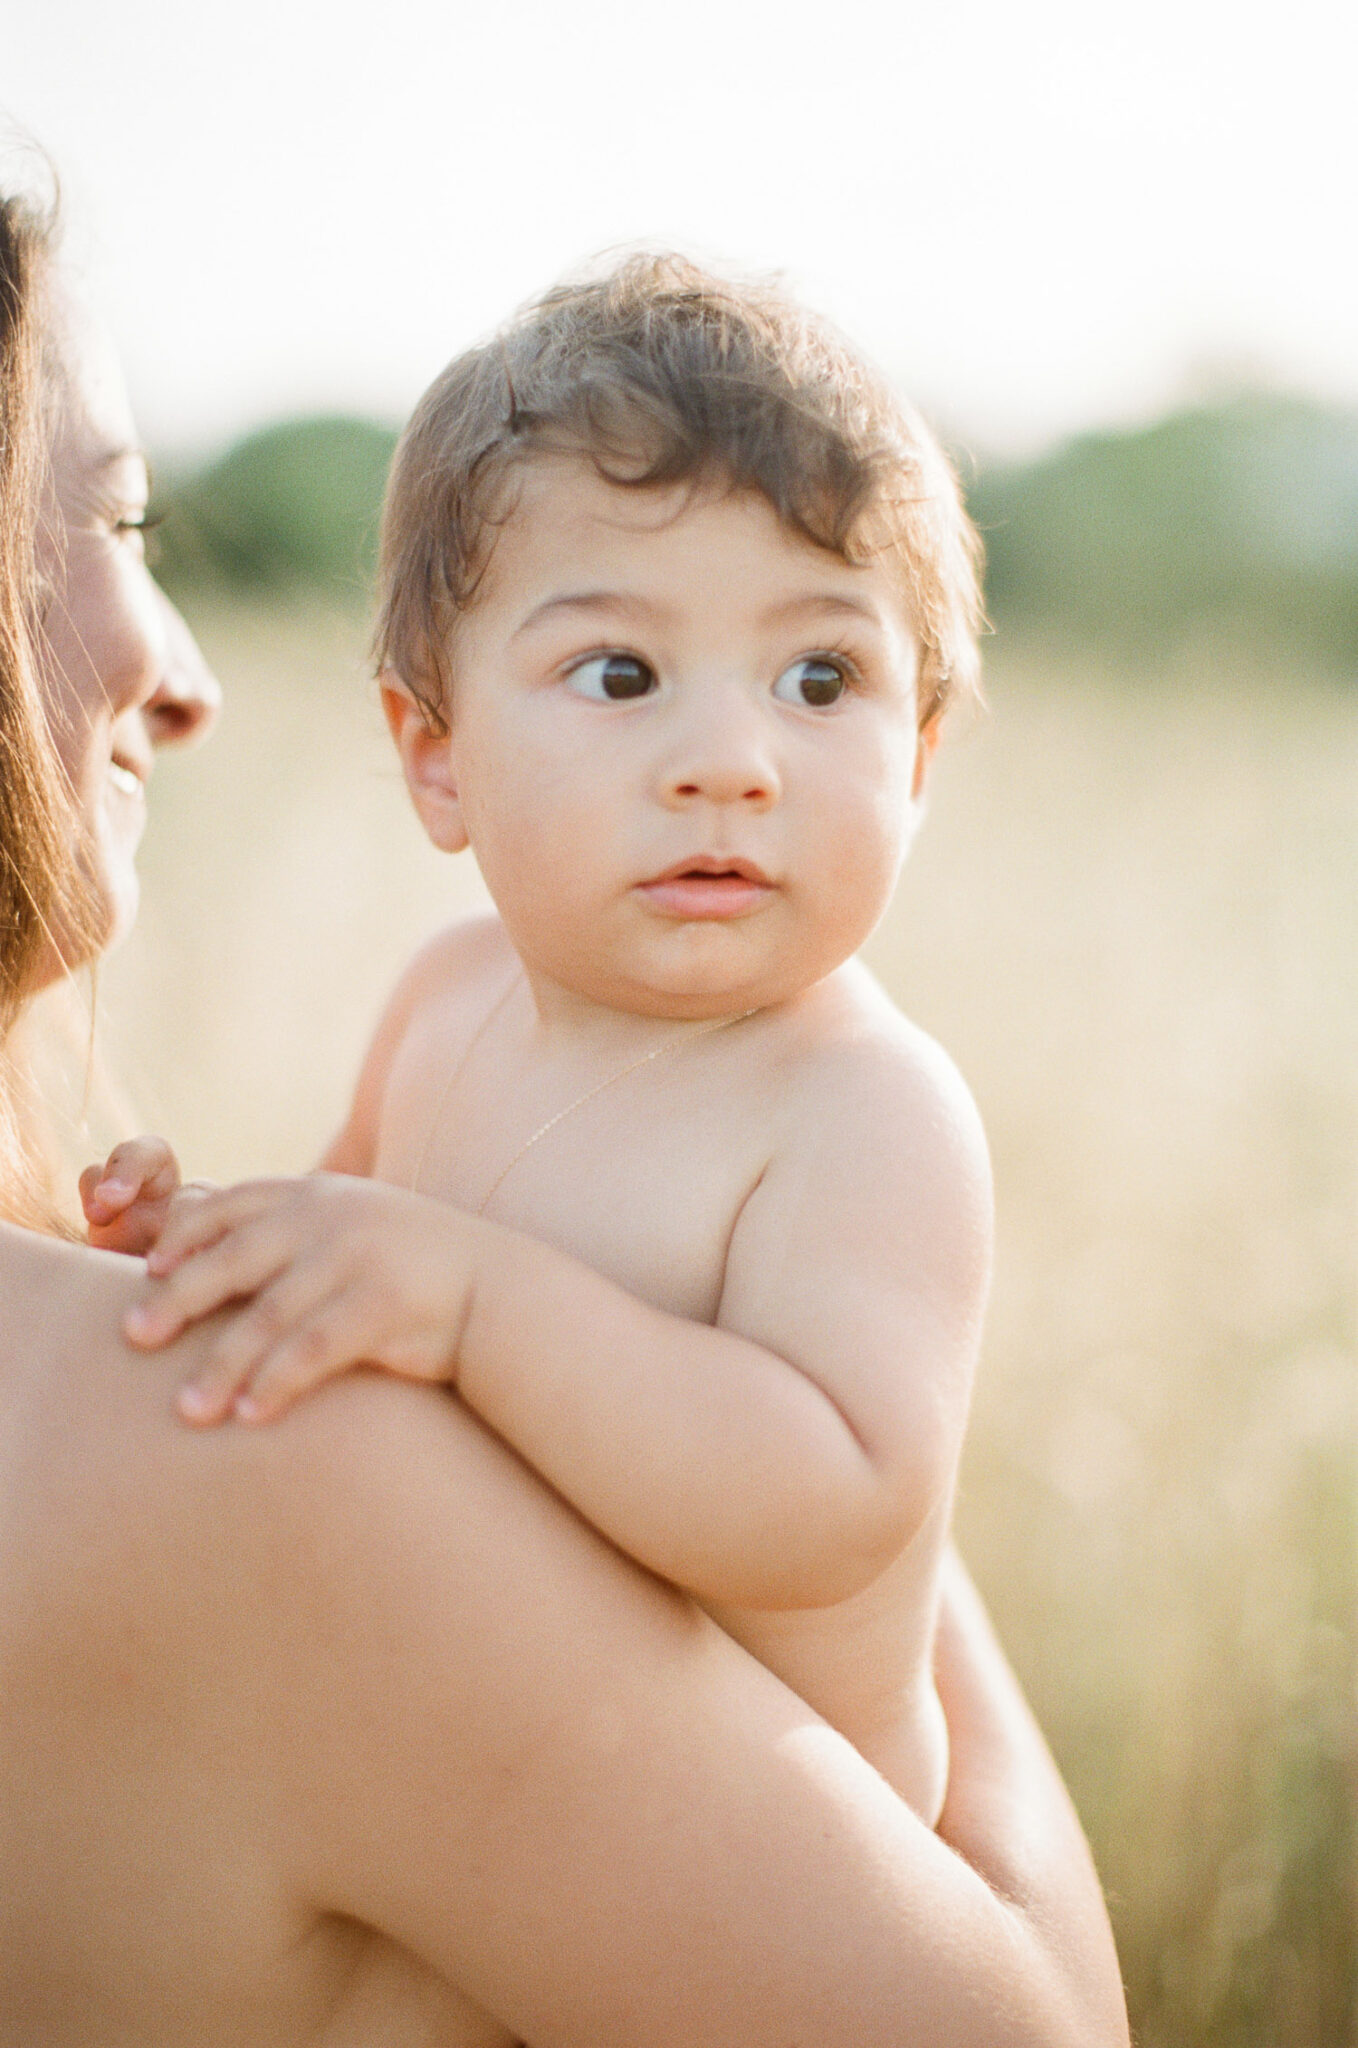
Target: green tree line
column 1234, row 522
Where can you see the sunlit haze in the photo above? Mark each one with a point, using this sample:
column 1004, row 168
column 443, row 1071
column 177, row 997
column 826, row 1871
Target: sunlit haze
column 1037, row 218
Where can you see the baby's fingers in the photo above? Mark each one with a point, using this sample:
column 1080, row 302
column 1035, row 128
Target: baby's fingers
column 319, row 1348
column 285, row 1323
column 140, row 1169
column 91, row 1181
column 236, row 1263
column 201, row 1216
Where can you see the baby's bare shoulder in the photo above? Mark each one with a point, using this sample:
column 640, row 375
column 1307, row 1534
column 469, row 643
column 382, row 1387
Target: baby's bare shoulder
column 462, row 966
column 878, row 1154
column 457, row 956
column 854, row 1069
column 451, row 967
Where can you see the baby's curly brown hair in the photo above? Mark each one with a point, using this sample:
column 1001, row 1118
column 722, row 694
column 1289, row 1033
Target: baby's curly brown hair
column 661, row 373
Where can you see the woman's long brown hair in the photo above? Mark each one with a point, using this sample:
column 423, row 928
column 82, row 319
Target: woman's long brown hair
column 40, row 881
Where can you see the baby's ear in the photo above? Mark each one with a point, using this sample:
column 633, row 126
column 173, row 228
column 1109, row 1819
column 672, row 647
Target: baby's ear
column 926, row 746
column 427, row 760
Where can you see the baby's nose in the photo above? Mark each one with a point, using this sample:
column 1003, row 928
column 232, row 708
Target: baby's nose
column 185, row 702
column 723, row 761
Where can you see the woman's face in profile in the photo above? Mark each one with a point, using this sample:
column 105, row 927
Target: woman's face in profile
column 121, row 672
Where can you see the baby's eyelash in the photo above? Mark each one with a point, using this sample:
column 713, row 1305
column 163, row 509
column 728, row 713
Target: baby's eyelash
column 578, row 672
column 832, row 651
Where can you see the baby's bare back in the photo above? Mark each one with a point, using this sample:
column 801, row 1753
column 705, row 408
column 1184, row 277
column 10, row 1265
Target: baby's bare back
column 645, row 1179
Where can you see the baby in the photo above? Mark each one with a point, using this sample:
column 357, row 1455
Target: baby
column 646, row 1167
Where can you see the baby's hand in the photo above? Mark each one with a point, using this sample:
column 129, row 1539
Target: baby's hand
column 127, row 1199
column 330, row 1272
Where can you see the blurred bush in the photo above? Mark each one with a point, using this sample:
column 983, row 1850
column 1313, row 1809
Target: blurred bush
column 293, row 507
column 1234, row 522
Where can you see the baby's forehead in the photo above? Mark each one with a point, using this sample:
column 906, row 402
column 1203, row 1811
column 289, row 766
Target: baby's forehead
column 562, row 523
column 576, row 489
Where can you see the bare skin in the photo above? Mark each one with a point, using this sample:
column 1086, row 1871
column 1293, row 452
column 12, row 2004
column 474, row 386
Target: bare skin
column 349, row 1732
column 122, row 674
column 698, row 1449
column 785, row 1184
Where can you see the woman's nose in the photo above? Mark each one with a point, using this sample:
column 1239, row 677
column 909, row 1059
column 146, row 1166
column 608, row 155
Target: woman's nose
column 723, row 756
column 187, row 698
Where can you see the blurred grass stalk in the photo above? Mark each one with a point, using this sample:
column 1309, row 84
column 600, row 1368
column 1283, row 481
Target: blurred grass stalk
column 1133, row 919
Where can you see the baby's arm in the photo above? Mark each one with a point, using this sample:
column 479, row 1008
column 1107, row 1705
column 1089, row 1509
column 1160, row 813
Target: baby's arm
column 777, row 1460
column 782, row 1458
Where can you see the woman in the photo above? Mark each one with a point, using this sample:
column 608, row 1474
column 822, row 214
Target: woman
column 349, row 1731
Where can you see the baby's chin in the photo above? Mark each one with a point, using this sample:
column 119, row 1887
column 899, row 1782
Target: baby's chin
column 690, row 997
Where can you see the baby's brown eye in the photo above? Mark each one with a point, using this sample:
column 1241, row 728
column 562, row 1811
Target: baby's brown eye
column 613, row 678
column 814, row 682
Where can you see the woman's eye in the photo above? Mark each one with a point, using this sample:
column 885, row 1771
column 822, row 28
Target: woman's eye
column 613, row 678
column 137, row 530
column 814, row 681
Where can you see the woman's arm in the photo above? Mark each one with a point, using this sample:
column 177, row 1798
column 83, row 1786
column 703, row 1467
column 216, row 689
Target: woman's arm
column 498, row 1742
column 368, row 1666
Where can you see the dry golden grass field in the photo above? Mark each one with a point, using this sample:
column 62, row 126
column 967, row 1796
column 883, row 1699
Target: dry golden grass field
column 1133, row 919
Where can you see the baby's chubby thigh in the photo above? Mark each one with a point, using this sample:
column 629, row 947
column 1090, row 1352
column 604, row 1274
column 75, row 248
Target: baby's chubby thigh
column 865, row 1665
column 912, row 1754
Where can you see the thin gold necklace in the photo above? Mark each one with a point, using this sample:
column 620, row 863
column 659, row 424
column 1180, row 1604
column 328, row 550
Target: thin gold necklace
column 633, row 1066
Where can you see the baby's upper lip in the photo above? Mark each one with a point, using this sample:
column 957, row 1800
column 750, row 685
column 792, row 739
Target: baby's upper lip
column 712, row 864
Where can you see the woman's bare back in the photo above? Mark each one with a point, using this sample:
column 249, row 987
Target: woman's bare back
column 150, row 1895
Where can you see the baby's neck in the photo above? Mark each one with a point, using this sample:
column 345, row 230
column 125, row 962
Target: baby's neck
column 560, row 1019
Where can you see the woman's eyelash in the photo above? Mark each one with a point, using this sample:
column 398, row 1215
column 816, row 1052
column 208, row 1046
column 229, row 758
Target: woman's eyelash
column 145, row 524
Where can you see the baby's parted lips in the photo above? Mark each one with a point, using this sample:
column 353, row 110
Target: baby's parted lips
column 708, row 886
column 710, row 864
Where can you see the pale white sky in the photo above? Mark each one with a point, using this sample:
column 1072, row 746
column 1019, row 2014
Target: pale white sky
column 1037, row 215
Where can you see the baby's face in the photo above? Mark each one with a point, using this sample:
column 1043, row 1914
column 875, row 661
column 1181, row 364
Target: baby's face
column 683, row 745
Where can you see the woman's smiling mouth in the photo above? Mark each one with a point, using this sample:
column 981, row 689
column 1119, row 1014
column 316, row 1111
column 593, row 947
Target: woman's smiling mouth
column 709, row 886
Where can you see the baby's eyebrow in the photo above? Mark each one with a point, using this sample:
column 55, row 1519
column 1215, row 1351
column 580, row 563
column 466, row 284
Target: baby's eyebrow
column 621, row 605
column 817, row 604
column 821, row 602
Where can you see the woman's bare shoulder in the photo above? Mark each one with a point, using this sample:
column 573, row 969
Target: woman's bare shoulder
column 64, row 1363
column 86, row 1420
column 56, row 1296
column 233, row 1558
column 80, row 1405
column 379, row 1517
